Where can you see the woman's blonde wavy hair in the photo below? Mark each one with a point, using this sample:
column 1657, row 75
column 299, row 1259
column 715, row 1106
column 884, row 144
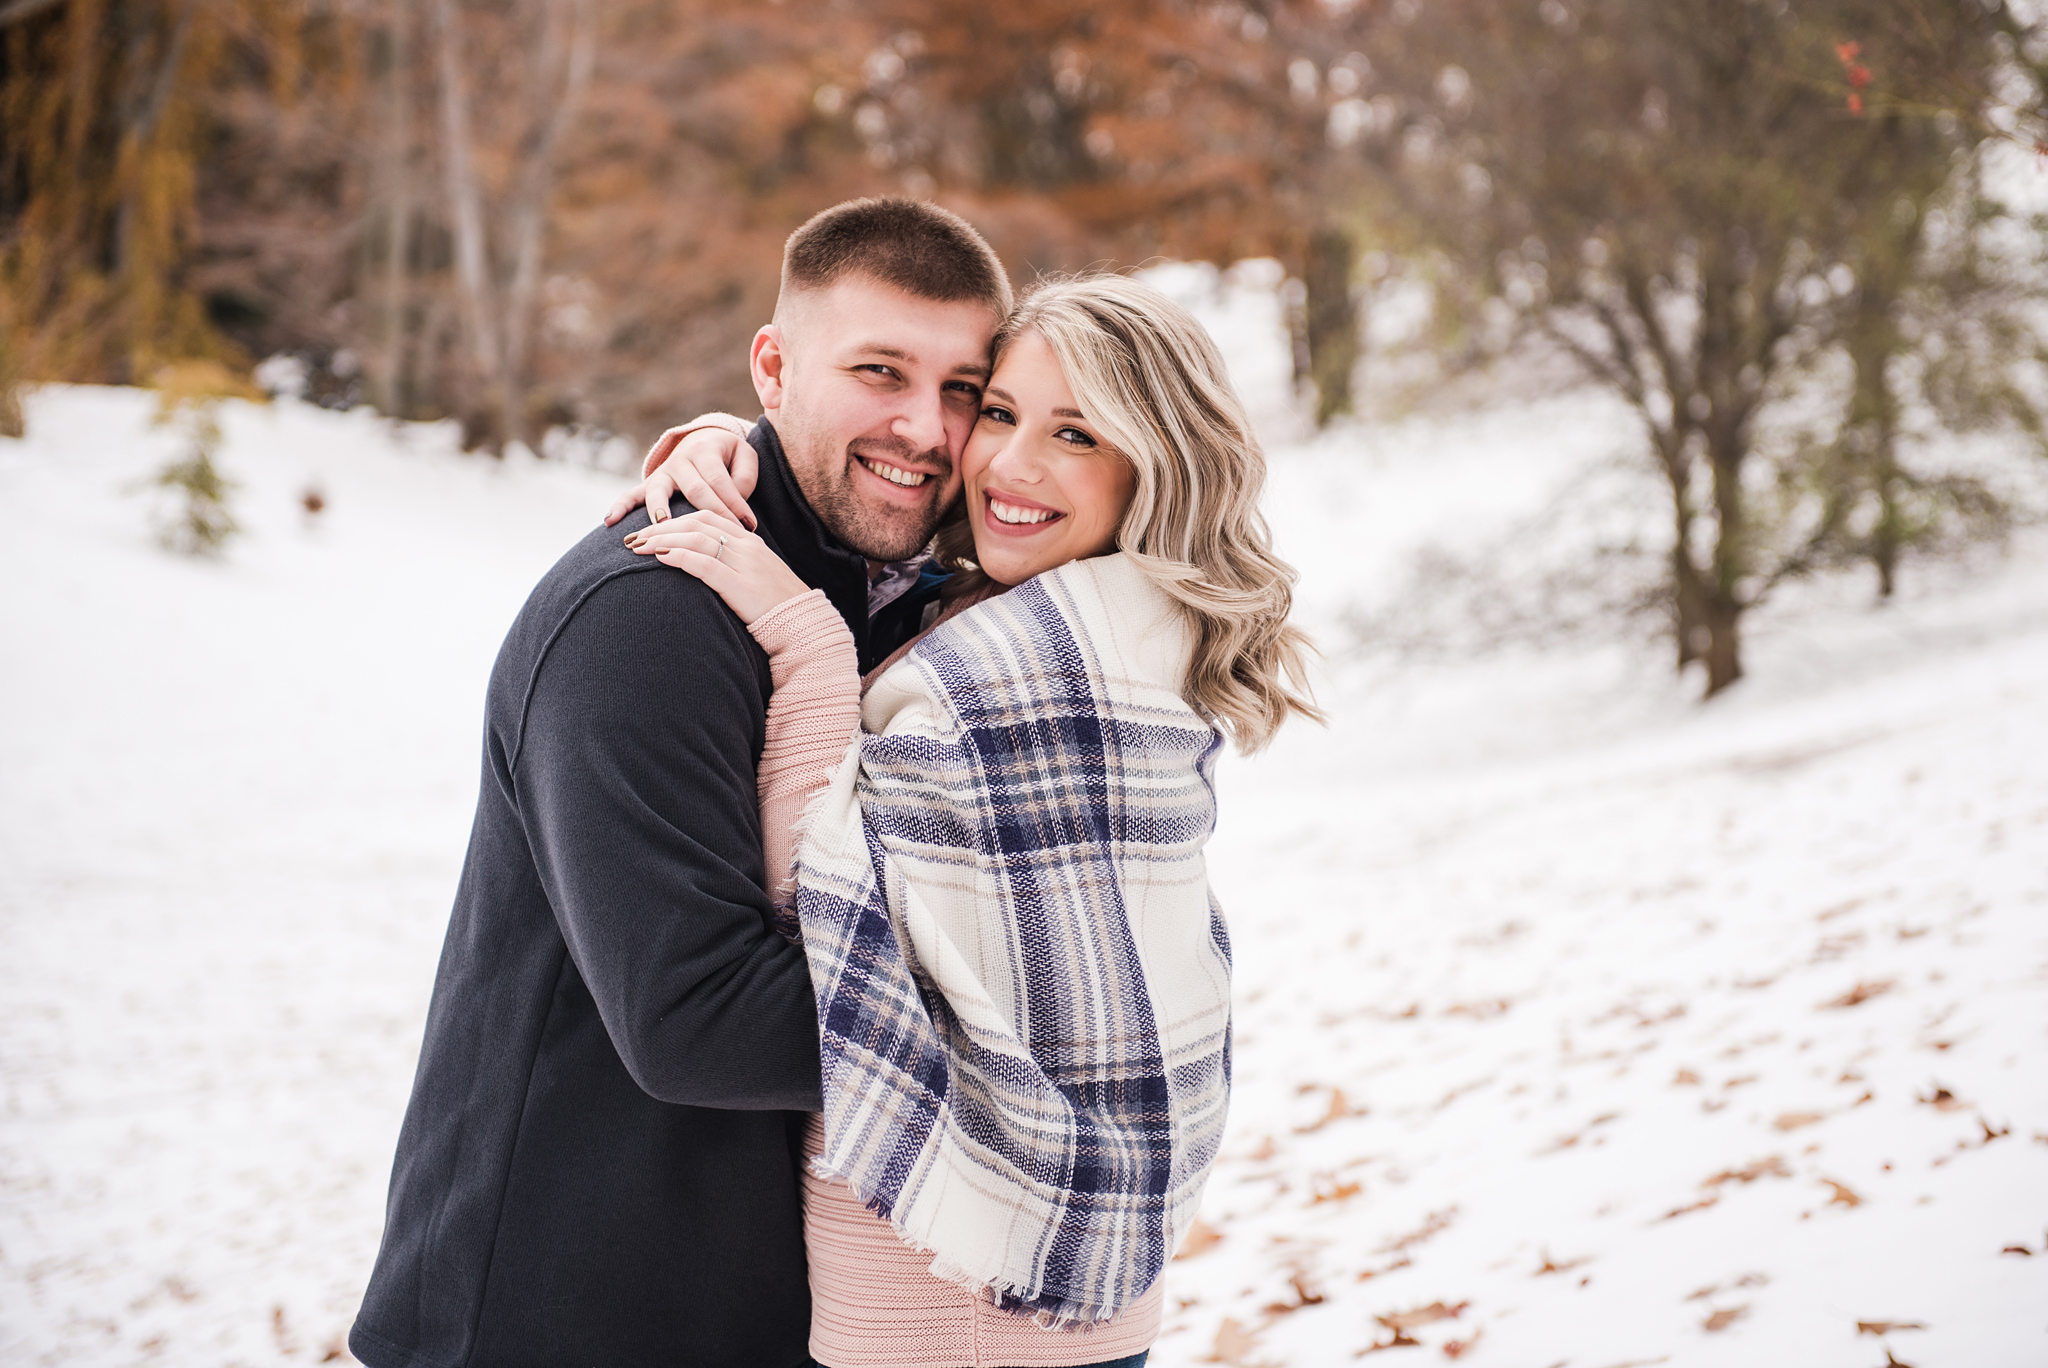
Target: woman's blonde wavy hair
column 1153, row 385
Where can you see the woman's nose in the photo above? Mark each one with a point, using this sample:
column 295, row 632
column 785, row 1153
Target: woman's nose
column 1014, row 461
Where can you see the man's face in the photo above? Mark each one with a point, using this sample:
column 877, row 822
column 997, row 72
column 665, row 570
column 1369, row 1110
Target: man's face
column 874, row 392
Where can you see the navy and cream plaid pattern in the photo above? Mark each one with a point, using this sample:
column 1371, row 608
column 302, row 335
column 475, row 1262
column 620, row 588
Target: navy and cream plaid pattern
column 1023, row 984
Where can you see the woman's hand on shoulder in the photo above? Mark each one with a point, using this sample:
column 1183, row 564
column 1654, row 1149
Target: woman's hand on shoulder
column 710, row 466
column 736, row 563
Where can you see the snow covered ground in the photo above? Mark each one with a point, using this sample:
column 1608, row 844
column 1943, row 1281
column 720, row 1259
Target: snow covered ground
column 1579, row 1024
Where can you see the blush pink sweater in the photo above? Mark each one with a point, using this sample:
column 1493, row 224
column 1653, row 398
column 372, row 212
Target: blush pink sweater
column 874, row 1301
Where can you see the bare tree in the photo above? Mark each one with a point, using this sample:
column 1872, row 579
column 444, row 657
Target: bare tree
column 498, row 279
column 1681, row 198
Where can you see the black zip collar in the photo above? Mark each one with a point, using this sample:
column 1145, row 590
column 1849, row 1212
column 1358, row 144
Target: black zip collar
column 794, row 531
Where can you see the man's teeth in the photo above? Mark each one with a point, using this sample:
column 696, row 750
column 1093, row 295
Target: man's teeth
column 909, row 479
column 1010, row 513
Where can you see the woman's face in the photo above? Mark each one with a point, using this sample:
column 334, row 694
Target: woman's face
column 1042, row 488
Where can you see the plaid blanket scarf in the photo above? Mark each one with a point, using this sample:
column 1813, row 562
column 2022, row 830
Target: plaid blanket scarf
column 1023, row 983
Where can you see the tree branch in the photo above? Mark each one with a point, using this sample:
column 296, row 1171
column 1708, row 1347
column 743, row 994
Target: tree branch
column 21, row 11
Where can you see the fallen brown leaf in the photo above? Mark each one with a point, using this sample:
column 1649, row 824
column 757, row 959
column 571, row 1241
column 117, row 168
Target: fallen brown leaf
column 1327, row 1187
column 1700, row 1205
column 1771, row 1165
column 1791, row 1121
column 1369, row 1274
column 1479, row 1011
column 1844, row 1196
column 1200, row 1238
column 1941, row 1099
column 1686, row 1078
column 1456, row 1348
column 1401, row 1322
column 1340, row 1108
column 1435, row 1221
column 1551, row 1265
column 1399, row 1341
column 1724, row 1318
column 1860, row 994
column 1886, row 1327
column 2021, row 1250
column 1746, row 1280
column 1233, row 1342
column 1305, row 1294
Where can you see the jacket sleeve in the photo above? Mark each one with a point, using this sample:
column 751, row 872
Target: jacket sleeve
column 634, row 773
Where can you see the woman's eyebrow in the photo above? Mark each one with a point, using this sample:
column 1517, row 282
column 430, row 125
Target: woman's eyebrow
column 995, row 393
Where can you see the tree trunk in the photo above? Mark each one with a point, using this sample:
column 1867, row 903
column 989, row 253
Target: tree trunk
column 493, row 422
column 1890, row 535
column 1871, row 432
column 1722, row 618
column 1688, row 617
column 1332, row 316
column 566, row 56
column 1294, row 317
column 394, row 175
column 1721, row 605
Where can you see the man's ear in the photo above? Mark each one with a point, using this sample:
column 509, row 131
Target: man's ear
column 768, row 362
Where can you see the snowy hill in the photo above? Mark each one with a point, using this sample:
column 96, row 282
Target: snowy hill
column 1578, row 1024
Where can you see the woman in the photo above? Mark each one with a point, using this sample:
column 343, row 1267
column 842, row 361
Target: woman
column 1023, row 984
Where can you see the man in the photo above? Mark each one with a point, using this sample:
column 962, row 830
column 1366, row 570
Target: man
column 598, row 1167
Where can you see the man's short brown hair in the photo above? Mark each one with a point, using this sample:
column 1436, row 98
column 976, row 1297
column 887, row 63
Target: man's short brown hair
column 917, row 247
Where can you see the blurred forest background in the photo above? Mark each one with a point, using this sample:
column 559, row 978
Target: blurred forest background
column 1777, row 229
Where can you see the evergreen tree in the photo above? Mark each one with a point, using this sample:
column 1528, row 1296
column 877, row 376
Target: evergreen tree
column 196, row 520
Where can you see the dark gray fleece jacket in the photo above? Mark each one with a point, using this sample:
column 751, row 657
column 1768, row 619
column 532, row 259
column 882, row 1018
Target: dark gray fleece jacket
column 598, row 1168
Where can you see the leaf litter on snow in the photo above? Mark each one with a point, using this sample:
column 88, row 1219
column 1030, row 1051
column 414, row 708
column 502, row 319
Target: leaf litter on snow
column 1499, row 905
column 1677, row 1034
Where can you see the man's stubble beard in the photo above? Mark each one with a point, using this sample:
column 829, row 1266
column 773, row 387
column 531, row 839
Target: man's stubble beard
column 824, row 472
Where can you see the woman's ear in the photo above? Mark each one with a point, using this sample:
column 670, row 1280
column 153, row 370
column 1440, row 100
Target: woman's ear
column 768, row 362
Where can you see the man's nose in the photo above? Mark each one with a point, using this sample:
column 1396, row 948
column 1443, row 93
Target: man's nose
column 922, row 422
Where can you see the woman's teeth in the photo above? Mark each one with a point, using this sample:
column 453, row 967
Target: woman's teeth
column 909, row 479
column 1010, row 513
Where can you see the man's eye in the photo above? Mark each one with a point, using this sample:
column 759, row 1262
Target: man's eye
column 996, row 413
column 885, row 372
column 960, row 389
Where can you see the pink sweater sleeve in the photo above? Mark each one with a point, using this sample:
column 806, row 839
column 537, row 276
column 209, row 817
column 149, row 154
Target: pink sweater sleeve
column 738, row 427
column 812, row 715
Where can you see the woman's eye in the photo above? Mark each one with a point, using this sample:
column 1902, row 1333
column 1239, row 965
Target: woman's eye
column 1075, row 437
column 996, row 413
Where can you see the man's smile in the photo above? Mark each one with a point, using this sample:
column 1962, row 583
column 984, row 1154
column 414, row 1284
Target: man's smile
column 909, row 479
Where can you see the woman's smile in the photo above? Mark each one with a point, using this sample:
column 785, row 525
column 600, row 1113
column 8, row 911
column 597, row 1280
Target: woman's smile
column 1012, row 515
